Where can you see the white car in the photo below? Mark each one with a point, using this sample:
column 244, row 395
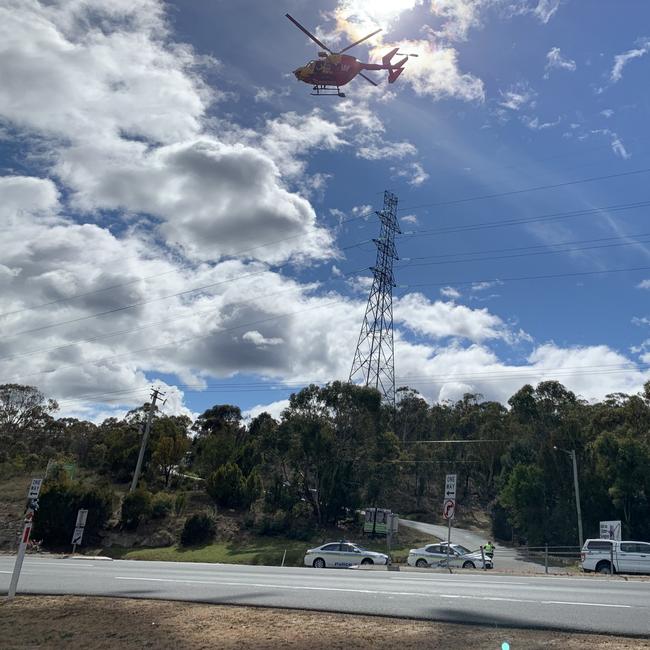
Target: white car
column 435, row 555
column 342, row 555
column 628, row 557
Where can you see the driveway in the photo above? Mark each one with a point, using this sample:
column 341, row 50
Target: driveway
column 505, row 557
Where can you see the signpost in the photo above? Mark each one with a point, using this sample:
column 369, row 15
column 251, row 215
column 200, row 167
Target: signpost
column 610, row 530
column 78, row 534
column 449, row 508
column 32, row 506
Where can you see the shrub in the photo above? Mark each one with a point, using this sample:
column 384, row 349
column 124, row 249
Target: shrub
column 226, row 486
column 137, row 505
column 57, row 514
column 198, row 529
column 252, row 489
column 162, row 505
column 179, row 504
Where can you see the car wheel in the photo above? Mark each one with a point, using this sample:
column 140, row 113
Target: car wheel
column 319, row 563
column 469, row 565
column 604, row 567
column 367, row 560
column 422, row 564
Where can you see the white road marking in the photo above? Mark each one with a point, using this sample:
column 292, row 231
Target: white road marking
column 370, row 591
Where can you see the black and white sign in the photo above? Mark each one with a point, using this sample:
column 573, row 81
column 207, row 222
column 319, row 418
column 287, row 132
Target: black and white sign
column 82, row 515
column 450, row 486
column 35, row 488
column 610, row 530
column 77, row 536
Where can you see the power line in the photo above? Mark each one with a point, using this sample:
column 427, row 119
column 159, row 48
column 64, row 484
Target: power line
column 553, row 216
column 108, row 335
column 538, row 188
column 550, row 276
column 531, row 252
column 270, row 269
column 179, row 342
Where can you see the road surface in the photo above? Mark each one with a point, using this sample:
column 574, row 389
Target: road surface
column 504, row 557
column 593, row 604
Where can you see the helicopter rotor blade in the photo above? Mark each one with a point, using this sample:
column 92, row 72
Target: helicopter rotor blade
column 361, row 40
column 368, row 79
column 313, row 38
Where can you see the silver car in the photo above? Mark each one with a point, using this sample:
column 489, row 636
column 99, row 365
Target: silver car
column 342, row 555
column 435, row 555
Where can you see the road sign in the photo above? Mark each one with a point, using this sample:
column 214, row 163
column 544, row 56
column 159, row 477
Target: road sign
column 32, row 504
column 35, row 488
column 450, row 486
column 82, row 515
column 449, row 508
column 610, row 530
column 77, row 536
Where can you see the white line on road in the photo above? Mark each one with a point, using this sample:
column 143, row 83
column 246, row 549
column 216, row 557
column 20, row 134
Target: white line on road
column 369, row 591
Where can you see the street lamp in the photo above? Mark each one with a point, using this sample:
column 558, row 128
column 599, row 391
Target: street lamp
column 572, row 453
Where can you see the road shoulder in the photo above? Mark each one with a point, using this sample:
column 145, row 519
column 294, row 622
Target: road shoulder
column 103, row 623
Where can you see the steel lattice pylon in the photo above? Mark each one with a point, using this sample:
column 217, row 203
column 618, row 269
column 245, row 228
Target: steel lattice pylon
column 374, row 359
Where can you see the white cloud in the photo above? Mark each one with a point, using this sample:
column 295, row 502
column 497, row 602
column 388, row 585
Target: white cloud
column 274, row 409
column 460, row 17
column 555, row 60
column 482, row 286
column 446, row 319
column 518, row 96
column 450, row 292
column 545, row 9
column 535, row 124
column 621, row 60
column 259, row 340
column 413, row 173
column 410, row 219
column 435, row 73
column 608, row 112
column 644, row 284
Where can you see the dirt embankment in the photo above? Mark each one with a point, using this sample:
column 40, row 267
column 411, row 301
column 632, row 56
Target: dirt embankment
column 102, row 623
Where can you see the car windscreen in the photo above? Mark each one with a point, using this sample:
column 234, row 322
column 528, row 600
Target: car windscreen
column 461, row 549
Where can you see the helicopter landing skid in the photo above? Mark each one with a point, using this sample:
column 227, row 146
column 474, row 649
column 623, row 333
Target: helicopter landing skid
column 328, row 90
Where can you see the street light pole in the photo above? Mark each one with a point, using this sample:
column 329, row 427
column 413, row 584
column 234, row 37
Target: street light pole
column 576, row 487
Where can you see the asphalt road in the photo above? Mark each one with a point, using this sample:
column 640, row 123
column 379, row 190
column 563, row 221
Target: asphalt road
column 597, row 604
column 504, row 557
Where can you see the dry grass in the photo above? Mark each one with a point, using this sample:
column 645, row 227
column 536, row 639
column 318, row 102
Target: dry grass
column 103, row 623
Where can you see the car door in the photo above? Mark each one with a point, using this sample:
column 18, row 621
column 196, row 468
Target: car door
column 627, row 557
column 330, row 553
column 348, row 555
column 433, row 554
column 643, row 562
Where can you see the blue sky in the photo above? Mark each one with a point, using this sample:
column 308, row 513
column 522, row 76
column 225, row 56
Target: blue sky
column 180, row 211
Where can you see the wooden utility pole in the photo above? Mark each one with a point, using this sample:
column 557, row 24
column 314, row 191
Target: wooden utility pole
column 155, row 393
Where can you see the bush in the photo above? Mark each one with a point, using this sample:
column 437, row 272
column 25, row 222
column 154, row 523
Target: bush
column 179, row 504
column 198, row 529
column 57, row 514
column 137, row 505
column 162, row 505
column 226, row 486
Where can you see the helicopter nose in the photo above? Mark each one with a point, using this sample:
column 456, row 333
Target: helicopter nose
column 297, row 72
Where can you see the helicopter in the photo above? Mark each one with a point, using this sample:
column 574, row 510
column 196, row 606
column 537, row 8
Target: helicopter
column 335, row 69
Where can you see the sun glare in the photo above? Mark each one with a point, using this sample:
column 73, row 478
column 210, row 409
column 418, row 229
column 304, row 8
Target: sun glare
column 358, row 17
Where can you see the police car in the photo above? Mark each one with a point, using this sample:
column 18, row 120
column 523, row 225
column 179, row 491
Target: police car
column 342, row 555
column 435, row 555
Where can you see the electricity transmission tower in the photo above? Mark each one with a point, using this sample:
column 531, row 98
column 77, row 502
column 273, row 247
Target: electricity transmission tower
column 374, row 359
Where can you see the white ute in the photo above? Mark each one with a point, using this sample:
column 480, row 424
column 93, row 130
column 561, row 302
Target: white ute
column 612, row 556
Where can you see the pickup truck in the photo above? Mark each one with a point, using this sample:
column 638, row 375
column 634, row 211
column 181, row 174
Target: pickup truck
column 612, row 556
